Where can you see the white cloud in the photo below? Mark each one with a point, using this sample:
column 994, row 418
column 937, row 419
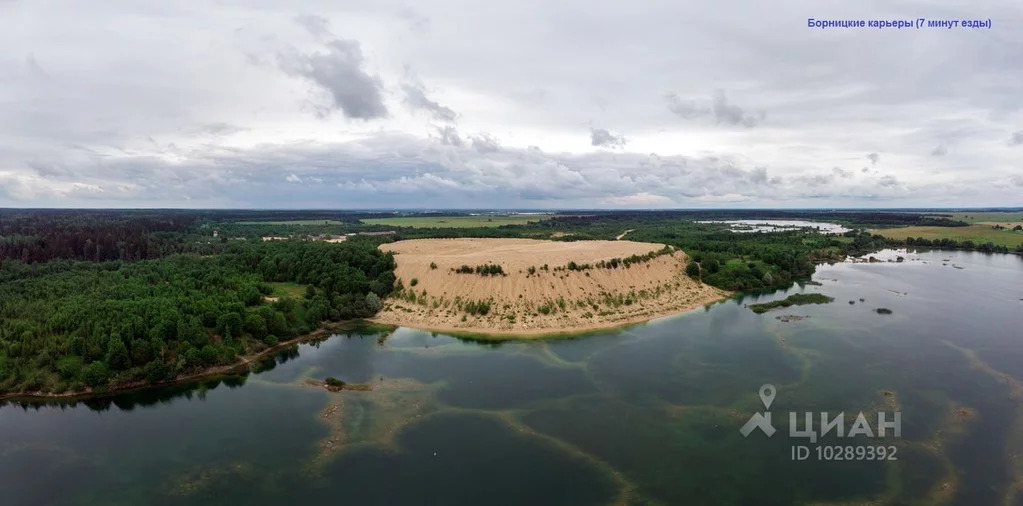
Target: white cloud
column 210, row 105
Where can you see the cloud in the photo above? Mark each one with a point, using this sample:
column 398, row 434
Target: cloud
column 842, row 173
column 484, row 143
column 449, row 136
column 48, row 169
column 164, row 127
column 316, row 25
column 641, row 200
column 293, row 179
column 686, row 109
column 758, row 175
column 723, row 112
column 939, row 150
column 874, row 158
column 732, row 114
column 415, row 97
column 339, row 72
column 219, row 128
column 601, row 137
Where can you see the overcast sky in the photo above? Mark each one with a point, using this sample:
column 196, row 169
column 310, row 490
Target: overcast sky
column 524, row 104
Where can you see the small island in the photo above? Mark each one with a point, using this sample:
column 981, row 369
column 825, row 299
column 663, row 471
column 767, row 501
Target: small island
column 797, row 299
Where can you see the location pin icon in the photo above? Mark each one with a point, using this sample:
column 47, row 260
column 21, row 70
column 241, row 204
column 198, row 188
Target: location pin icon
column 767, row 392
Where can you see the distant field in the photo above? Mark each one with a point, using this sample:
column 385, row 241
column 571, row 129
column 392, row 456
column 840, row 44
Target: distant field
column 455, row 221
column 988, row 217
column 1004, row 219
column 293, row 222
column 976, row 233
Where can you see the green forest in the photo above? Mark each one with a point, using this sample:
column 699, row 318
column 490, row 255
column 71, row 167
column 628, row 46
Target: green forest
column 67, row 325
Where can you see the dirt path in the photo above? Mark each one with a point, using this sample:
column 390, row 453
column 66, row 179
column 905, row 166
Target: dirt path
column 623, row 234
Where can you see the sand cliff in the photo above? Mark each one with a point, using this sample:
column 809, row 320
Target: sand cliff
column 530, row 299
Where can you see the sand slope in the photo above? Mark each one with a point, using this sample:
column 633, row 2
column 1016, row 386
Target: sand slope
column 549, row 301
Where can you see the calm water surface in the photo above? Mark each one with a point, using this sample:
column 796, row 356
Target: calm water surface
column 647, row 415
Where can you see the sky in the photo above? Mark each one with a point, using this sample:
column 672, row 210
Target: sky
column 527, row 104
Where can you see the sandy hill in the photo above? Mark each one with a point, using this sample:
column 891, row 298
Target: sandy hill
column 538, row 292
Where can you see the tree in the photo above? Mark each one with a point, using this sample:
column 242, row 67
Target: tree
column 156, row 371
column 229, row 323
column 141, row 352
column 711, row 265
column 96, row 374
column 693, row 270
column 117, row 354
column 255, row 325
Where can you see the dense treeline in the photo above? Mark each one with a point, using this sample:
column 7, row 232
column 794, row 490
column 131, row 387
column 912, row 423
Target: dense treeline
column 986, row 247
column 66, row 325
column 40, row 235
column 97, row 236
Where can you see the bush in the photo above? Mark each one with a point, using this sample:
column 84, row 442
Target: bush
column 373, row 302
column 334, row 382
column 414, row 282
column 96, row 374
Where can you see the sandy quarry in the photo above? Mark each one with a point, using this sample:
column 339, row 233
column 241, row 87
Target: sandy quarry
column 574, row 301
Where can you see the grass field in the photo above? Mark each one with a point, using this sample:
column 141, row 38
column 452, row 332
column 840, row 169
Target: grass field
column 492, row 220
column 294, row 222
column 1004, row 219
column 288, row 290
column 977, row 233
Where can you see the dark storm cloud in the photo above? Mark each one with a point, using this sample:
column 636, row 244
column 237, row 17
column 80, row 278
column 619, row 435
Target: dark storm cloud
column 339, row 72
column 601, row 137
column 415, row 97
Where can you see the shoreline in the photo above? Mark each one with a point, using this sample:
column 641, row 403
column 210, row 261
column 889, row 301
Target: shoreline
column 210, row 373
column 518, row 334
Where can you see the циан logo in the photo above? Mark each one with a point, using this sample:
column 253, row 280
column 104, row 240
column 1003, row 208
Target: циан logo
column 828, row 425
column 762, row 421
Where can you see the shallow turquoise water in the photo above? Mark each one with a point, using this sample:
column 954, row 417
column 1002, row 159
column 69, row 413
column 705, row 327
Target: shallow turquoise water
column 645, row 415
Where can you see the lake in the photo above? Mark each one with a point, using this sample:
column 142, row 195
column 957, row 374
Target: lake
column 645, row 415
column 749, row 226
